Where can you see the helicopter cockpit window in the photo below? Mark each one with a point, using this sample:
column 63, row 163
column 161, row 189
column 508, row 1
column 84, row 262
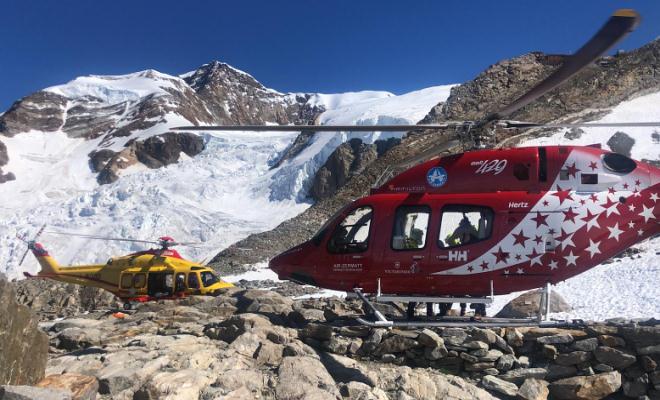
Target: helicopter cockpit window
column 463, row 224
column 126, row 281
column 209, row 278
column 410, row 227
column 139, row 281
column 352, row 234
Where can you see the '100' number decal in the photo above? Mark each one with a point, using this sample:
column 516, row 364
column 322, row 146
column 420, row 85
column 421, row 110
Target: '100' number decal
column 494, row 166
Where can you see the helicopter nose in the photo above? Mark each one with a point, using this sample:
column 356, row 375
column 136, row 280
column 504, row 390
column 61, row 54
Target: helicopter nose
column 290, row 265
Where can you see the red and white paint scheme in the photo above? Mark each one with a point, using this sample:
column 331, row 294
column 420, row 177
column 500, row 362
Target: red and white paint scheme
column 538, row 215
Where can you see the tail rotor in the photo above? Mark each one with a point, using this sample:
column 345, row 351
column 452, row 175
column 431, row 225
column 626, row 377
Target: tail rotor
column 30, row 243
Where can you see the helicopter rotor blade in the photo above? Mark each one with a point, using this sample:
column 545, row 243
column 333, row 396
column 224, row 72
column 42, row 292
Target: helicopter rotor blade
column 20, row 263
column 525, row 124
column 618, row 26
column 94, row 237
column 29, row 242
column 321, row 128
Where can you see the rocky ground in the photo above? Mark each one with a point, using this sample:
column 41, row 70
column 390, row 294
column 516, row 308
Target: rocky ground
column 252, row 343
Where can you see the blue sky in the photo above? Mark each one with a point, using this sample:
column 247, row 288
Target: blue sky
column 297, row 45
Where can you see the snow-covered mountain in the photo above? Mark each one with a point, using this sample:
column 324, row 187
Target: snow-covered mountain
column 216, row 195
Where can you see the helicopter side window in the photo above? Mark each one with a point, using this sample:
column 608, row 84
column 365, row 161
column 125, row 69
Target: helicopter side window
column 463, row 224
column 126, row 281
column 139, row 281
column 193, row 280
column 209, row 278
column 410, row 227
column 352, row 234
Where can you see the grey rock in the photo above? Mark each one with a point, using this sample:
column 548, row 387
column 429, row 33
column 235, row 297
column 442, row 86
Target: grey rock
column 613, row 357
column 304, row 377
column 573, row 358
column 611, row 341
column 396, row 344
column 527, row 305
column 555, row 339
column 23, row 346
column 430, row 339
column 9, row 392
column 586, row 344
column 505, row 362
column 637, row 387
column 498, row 385
column 586, row 387
column 519, row 375
column 533, row 389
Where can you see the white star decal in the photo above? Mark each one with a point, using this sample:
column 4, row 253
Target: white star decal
column 520, row 271
column 593, row 223
column 553, row 265
column 570, row 258
column 631, row 208
column 654, row 197
column 614, row 231
column 568, row 242
column 640, row 232
column 593, row 248
column 647, row 213
column 614, row 209
column 631, row 224
column 535, row 260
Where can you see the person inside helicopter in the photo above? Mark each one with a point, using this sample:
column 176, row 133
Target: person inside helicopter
column 465, row 233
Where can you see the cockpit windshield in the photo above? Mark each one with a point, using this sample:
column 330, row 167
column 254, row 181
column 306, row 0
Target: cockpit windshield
column 209, row 278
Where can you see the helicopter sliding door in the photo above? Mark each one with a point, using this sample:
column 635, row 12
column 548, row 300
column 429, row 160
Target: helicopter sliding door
column 405, row 255
column 160, row 284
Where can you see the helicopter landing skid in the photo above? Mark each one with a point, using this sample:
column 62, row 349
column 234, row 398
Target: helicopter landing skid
column 454, row 321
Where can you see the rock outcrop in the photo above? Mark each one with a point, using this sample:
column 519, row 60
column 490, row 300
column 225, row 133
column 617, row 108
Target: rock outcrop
column 348, row 159
column 251, row 343
column 23, row 346
column 51, row 299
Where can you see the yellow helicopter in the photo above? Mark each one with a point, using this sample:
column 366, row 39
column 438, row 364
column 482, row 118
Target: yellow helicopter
column 149, row 275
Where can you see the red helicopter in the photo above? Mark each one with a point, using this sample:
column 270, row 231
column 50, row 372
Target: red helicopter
column 469, row 226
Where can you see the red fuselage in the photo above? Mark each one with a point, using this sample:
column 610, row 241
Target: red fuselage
column 515, row 219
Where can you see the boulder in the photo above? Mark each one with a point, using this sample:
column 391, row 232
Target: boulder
column 586, row 387
column 555, row 339
column 519, row 375
column 23, row 346
column 81, row 387
column 611, row 341
column 430, row 339
column 10, row 392
column 396, row 344
column 304, row 378
column 586, row 344
column 527, row 305
column 181, row 384
column 573, row 358
column 613, row 357
column 533, row 389
column 317, row 331
column 498, row 385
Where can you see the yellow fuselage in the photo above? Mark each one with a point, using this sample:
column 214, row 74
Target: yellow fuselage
column 137, row 275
